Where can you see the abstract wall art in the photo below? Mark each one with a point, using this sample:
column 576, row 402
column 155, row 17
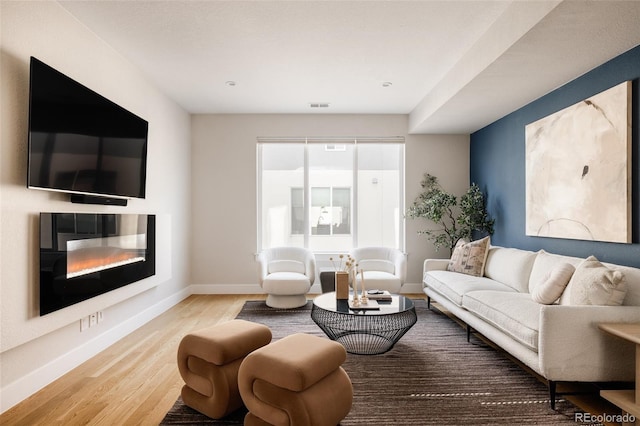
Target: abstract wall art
column 578, row 170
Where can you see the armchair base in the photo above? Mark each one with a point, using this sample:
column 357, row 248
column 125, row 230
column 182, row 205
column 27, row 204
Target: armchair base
column 286, row 301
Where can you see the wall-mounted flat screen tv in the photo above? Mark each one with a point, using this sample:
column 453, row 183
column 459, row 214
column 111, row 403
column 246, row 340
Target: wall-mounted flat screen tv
column 80, row 142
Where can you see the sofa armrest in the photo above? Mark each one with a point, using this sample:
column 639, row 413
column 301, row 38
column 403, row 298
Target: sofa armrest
column 435, row 265
column 263, row 267
column 400, row 266
column 310, row 267
column 573, row 348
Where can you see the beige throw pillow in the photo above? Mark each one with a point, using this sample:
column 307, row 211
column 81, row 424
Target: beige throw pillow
column 552, row 286
column 595, row 284
column 469, row 257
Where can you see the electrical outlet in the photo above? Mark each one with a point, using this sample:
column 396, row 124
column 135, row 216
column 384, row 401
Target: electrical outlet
column 93, row 320
column 84, row 323
column 100, row 316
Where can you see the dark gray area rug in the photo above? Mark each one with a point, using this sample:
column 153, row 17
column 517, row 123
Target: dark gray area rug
column 432, row 376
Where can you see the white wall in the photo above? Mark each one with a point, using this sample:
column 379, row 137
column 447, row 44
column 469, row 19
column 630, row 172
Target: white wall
column 444, row 156
column 224, row 186
column 35, row 350
column 210, row 234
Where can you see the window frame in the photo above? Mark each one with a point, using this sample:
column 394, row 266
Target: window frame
column 353, row 214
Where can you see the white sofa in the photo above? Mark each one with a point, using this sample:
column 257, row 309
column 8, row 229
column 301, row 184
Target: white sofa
column 562, row 343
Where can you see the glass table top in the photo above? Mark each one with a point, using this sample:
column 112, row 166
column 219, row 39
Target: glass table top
column 397, row 304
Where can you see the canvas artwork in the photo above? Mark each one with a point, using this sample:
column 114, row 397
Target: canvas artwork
column 578, row 171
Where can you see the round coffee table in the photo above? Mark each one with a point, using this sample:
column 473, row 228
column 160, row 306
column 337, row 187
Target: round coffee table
column 364, row 332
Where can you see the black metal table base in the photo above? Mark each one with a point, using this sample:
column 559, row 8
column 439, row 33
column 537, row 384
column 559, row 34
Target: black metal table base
column 362, row 332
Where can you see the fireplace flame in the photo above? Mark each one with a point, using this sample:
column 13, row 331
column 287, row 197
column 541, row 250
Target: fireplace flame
column 87, row 261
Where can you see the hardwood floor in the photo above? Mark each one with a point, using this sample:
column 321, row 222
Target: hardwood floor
column 136, row 380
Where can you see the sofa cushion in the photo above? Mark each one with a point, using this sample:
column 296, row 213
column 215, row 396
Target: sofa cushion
column 510, row 266
column 380, row 280
column 632, row 278
column 286, row 283
column 377, row 265
column 454, row 285
column 595, row 284
column 551, row 289
column 286, row 266
column 469, row 257
column 515, row 314
column 544, row 263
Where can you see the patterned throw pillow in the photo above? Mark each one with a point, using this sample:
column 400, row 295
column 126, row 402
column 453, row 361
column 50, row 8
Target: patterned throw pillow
column 551, row 288
column 469, row 257
column 595, row 284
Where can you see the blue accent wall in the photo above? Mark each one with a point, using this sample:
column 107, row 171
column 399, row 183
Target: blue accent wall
column 498, row 164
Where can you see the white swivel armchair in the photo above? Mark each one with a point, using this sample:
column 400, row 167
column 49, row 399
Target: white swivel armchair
column 286, row 274
column 384, row 268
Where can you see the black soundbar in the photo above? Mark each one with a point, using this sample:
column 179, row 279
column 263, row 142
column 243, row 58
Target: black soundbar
column 91, row 199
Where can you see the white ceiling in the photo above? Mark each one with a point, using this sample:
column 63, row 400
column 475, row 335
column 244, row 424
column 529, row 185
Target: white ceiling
column 455, row 66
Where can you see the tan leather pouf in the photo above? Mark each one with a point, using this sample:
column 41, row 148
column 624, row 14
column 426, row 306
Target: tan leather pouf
column 209, row 361
column 296, row 381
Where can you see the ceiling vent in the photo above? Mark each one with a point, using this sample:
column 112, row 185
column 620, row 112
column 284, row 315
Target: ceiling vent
column 319, row 105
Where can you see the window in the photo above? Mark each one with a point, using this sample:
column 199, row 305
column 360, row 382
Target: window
column 330, row 195
column 330, row 211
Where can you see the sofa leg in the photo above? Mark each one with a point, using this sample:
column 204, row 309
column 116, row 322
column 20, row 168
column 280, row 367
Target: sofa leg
column 468, row 333
column 552, row 394
column 428, row 303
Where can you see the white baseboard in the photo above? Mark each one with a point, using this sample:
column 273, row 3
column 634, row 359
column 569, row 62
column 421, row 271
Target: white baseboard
column 225, row 289
column 15, row 392
column 407, row 288
column 237, row 289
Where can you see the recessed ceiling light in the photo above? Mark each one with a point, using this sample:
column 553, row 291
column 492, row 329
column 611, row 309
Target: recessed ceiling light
column 230, row 83
column 387, row 84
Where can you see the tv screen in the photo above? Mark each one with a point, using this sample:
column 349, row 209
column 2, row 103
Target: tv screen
column 80, row 142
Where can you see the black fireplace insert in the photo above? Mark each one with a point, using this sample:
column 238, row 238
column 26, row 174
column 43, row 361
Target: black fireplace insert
column 83, row 255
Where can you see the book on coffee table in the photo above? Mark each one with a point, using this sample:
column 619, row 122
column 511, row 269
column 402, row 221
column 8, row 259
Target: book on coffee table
column 371, row 305
column 383, row 295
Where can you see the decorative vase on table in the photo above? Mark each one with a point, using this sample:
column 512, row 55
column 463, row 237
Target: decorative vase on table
column 342, row 285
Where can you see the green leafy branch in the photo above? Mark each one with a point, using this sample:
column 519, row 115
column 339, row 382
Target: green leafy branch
column 438, row 206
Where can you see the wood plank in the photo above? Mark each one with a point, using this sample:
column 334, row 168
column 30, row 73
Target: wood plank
column 628, row 331
column 624, row 399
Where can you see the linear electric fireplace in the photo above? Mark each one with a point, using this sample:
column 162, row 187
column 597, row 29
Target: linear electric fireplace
column 83, row 255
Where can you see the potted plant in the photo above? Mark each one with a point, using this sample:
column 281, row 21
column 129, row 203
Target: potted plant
column 455, row 220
